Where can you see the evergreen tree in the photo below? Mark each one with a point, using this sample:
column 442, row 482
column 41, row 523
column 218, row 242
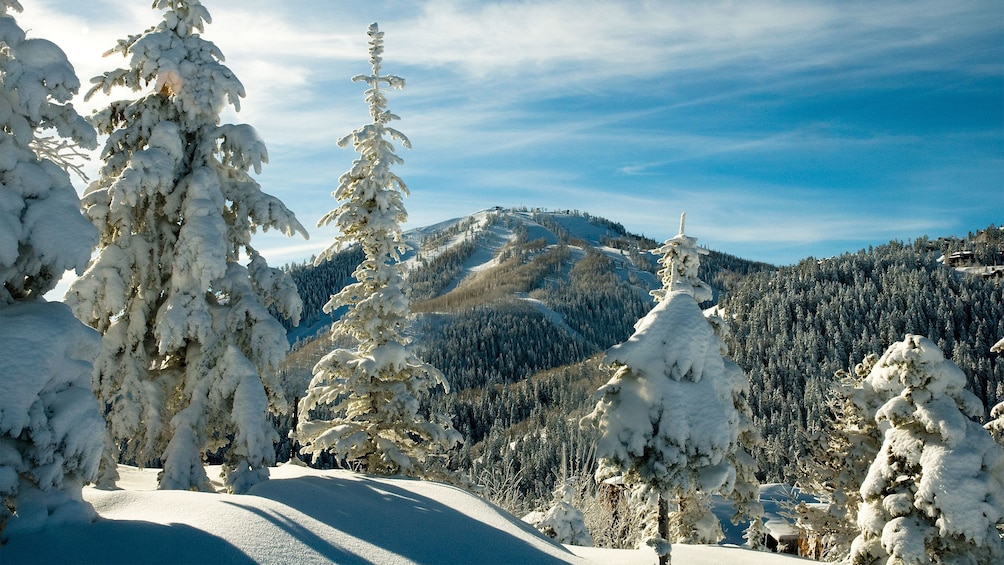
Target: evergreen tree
column 693, row 522
column 375, row 391
column 841, row 448
column 996, row 424
column 935, row 491
column 681, row 260
column 745, row 494
column 190, row 351
column 562, row 522
column 50, row 425
column 668, row 418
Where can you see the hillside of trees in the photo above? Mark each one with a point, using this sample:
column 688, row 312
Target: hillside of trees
column 519, row 341
column 794, row 328
column 315, row 284
column 563, row 287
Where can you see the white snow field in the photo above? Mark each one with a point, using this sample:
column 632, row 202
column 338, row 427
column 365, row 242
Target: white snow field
column 304, row 516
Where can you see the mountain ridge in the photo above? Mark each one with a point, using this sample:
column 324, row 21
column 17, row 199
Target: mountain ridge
column 514, row 306
column 440, row 256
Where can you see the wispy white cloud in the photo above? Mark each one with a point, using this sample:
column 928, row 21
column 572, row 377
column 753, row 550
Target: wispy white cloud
column 630, row 109
column 632, row 38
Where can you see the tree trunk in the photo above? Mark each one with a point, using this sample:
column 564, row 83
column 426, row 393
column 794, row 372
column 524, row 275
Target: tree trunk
column 664, row 526
column 296, row 418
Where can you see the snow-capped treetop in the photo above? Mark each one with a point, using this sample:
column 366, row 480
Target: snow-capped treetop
column 916, row 372
column 201, row 87
column 39, row 72
column 673, row 341
column 681, row 258
column 375, row 97
column 42, row 233
column 183, row 67
column 998, row 347
column 370, row 179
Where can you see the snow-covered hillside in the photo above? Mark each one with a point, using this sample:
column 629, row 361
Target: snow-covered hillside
column 306, row 516
column 495, row 228
column 489, row 245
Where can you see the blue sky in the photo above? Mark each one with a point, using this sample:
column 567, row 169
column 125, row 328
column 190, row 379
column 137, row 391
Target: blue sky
column 783, row 129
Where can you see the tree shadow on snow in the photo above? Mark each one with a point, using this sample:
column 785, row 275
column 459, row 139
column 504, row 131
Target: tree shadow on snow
column 308, row 538
column 400, row 521
column 122, row 541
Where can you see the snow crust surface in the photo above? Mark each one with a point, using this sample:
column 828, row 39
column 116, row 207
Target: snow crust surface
column 310, row 516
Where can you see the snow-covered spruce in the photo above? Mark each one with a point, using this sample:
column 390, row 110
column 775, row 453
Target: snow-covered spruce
column 190, row 350
column 996, row 424
column 50, row 426
column 935, row 491
column 42, row 233
column 681, row 261
column 374, row 392
column 745, row 494
column 841, row 447
column 668, row 418
column 562, row 522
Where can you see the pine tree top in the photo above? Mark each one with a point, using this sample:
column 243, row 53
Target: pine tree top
column 6, row 5
column 681, row 259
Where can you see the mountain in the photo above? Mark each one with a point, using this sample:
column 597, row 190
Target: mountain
column 586, row 275
column 514, row 306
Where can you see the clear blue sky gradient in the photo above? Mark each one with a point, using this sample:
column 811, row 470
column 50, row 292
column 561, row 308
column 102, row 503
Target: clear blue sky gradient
column 784, row 129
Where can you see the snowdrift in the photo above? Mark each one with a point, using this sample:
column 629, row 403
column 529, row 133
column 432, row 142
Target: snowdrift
column 306, row 516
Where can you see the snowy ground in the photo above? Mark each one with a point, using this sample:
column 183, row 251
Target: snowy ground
column 311, row 516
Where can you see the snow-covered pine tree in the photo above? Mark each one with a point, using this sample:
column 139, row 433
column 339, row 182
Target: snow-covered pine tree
column 668, row 418
column 934, row 493
column 693, row 522
column 190, row 350
column 50, row 425
column 374, row 392
column 996, row 424
column 745, row 494
column 841, row 448
column 562, row 522
column 681, row 261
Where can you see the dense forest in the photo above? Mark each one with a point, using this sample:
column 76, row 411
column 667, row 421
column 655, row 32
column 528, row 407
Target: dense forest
column 793, row 329
column 316, row 284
